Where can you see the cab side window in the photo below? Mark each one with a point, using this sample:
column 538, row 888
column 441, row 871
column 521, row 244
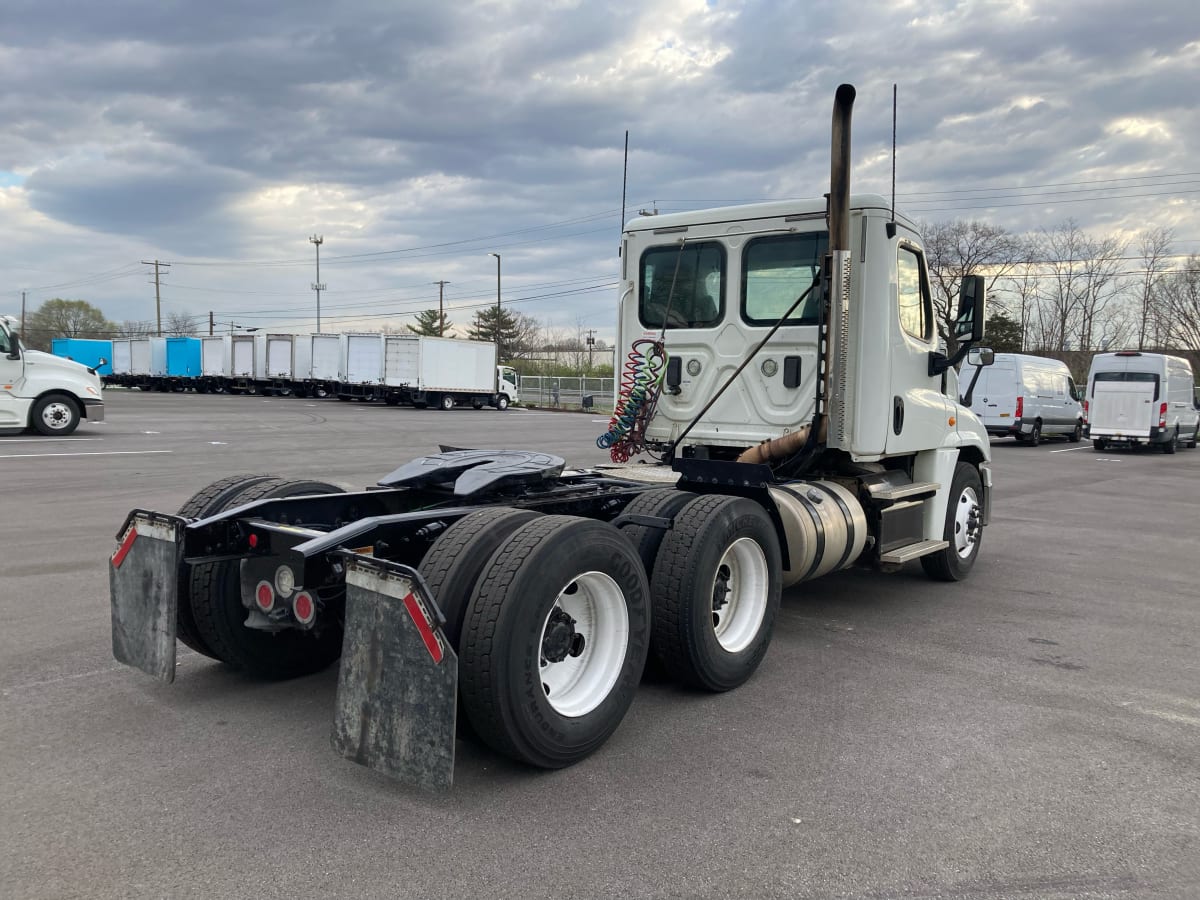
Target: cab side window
column 912, row 295
column 5, row 346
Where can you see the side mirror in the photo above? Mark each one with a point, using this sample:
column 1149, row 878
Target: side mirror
column 102, row 363
column 981, row 356
column 968, row 326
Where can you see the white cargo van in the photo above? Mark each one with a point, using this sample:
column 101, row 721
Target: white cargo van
column 1141, row 398
column 42, row 392
column 1026, row 397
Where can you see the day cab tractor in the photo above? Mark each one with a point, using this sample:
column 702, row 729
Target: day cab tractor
column 784, row 378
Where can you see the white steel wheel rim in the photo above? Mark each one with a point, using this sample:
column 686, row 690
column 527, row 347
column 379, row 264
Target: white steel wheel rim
column 578, row 684
column 964, row 531
column 744, row 579
column 57, row 415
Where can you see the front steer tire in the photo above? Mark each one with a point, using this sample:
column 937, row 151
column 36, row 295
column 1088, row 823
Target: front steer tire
column 962, row 530
column 216, row 605
column 557, row 564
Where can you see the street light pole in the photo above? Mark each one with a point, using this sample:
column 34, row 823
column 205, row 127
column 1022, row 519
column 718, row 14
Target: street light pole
column 497, row 328
column 317, row 240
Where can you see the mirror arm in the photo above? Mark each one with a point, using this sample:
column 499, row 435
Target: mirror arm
column 966, row 398
column 939, row 362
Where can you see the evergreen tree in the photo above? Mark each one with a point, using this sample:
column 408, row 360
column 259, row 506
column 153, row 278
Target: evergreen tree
column 431, row 323
column 514, row 334
column 1003, row 333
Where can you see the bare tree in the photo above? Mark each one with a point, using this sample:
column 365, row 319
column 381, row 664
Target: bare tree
column 1179, row 296
column 179, row 324
column 1155, row 249
column 955, row 249
column 1017, row 293
column 134, row 329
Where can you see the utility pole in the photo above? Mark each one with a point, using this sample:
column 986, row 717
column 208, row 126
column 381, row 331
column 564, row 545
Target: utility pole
column 210, row 323
column 23, row 338
column 157, row 290
column 441, row 300
column 591, row 345
column 317, row 240
column 496, row 334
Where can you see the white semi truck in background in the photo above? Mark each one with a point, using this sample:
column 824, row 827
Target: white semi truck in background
column 42, row 392
column 780, row 367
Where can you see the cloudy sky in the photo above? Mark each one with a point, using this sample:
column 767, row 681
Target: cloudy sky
column 417, row 138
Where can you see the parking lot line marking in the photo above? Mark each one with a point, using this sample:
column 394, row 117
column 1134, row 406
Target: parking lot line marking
column 93, row 453
column 44, row 440
column 1069, row 449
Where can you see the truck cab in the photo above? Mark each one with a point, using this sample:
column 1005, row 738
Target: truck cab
column 42, row 392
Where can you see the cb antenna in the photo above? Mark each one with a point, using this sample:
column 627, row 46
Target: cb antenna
column 891, row 226
column 624, row 184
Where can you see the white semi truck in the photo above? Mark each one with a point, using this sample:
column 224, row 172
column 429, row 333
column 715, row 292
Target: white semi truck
column 42, row 392
column 780, row 366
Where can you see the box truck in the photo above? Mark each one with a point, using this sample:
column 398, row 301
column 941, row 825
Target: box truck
column 443, row 373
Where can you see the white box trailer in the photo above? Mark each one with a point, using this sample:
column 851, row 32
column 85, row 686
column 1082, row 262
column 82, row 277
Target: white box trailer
column 361, row 366
column 443, row 372
column 275, row 357
column 214, row 355
column 242, row 355
column 122, row 358
column 158, row 357
column 140, row 363
column 315, row 362
column 1141, row 398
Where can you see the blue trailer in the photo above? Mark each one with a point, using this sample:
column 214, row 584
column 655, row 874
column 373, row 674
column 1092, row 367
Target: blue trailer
column 85, row 350
column 183, row 357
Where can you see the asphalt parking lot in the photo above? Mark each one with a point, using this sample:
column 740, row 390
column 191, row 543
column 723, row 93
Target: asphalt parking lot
column 1033, row 732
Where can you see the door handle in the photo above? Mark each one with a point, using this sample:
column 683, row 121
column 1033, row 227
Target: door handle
column 897, row 414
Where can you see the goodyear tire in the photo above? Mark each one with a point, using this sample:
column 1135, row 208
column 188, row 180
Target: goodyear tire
column 220, row 617
column 962, row 530
column 554, row 641
column 661, row 503
column 454, row 563
column 716, row 586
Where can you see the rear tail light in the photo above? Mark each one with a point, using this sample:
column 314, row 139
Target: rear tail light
column 1085, row 411
column 1162, row 415
column 1020, row 407
column 264, row 596
column 304, row 608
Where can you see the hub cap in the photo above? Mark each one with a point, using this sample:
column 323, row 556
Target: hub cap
column 584, row 641
column 740, row 594
column 57, row 415
column 966, row 523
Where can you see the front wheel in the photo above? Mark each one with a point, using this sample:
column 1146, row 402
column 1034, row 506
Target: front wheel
column 964, row 528
column 554, row 641
column 716, row 587
column 1077, row 435
column 1099, row 444
column 1191, row 444
column 55, row 415
column 446, row 402
column 502, row 402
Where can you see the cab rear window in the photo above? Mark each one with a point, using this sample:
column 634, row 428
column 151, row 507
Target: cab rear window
column 1148, row 377
column 682, row 287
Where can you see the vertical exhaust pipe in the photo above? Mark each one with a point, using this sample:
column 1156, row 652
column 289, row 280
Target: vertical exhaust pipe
column 839, row 169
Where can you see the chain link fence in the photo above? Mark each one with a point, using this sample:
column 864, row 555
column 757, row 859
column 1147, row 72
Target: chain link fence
column 554, row 392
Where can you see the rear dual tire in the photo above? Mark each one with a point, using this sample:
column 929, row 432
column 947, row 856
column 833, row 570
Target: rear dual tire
column 554, row 641
column 211, row 604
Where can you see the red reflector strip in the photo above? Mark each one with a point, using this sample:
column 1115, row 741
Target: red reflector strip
column 424, row 628
column 123, row 550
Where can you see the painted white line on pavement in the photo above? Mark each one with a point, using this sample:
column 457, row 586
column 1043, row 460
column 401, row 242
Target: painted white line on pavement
column 95, row 453
column 1069, row 449
column 1178, row 718
column 43, row 440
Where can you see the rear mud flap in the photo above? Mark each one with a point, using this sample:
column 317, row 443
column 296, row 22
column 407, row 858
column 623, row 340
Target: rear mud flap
column 143, row 581
column 398, row 685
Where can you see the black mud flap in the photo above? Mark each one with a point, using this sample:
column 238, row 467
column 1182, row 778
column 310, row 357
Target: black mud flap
column 143, row 582
column 397, row 689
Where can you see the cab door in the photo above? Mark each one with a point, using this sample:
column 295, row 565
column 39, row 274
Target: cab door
column 920, row 412
column 12, row 411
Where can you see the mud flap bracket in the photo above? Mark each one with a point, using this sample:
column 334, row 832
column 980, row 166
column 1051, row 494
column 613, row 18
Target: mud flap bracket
column 397, row 689
column 143, row 581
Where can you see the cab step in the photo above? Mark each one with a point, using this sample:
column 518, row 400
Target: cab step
column 884, row 492
column 908, row 552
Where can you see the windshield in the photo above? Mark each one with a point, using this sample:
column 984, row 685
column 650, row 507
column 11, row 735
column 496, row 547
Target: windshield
column 6, row 344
